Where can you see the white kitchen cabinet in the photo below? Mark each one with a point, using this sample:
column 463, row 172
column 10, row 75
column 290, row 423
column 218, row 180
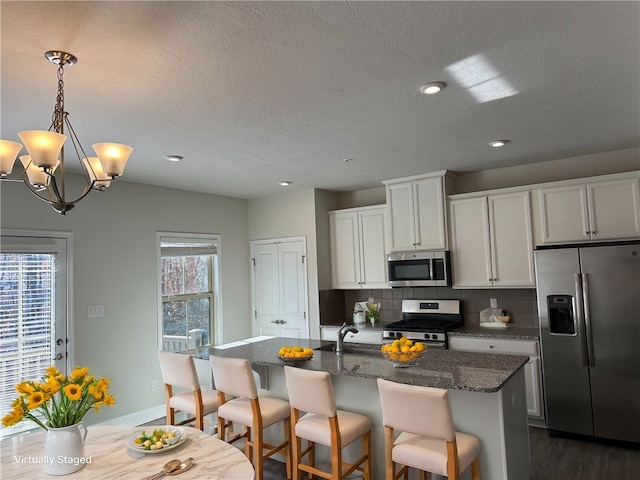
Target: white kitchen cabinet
column 588, row 210
column 491, row 240
column 416, row 208
column 532, row 370
column 363, row 336
column 358, row 242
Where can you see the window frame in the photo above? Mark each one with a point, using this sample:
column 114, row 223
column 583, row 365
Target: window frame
column 214, row 278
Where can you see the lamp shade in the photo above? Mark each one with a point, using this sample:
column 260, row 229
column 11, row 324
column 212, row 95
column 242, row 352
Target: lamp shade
column 113, row 157
column 8, row 153
column 43, row 146
column 36, row 176
column 94, row 167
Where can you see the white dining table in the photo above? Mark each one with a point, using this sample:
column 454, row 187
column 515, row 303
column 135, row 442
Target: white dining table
column 109, row 458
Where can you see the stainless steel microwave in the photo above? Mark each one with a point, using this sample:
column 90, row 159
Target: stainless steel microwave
column 419, row 269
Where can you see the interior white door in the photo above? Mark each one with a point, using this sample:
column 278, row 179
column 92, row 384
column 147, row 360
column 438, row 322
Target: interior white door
column 279, row 288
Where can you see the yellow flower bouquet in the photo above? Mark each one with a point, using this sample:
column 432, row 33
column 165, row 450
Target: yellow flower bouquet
column 373, row 311
column 59, row 401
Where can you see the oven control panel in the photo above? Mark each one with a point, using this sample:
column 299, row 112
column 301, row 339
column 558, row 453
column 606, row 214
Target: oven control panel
column 416, row 336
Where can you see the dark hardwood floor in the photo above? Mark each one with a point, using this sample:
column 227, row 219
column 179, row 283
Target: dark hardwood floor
column 552, row 458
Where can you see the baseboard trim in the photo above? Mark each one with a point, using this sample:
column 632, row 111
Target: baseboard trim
column 139, row 417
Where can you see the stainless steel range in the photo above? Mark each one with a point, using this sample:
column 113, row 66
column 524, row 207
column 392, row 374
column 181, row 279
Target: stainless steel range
column 427, row 321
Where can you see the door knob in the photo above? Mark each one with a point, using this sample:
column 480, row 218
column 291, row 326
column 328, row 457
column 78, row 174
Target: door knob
column 58, row 356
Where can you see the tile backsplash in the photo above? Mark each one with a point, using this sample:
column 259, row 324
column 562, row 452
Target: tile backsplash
column 336, row 306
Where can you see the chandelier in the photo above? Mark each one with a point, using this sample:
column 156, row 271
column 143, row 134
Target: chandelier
column 44, row 166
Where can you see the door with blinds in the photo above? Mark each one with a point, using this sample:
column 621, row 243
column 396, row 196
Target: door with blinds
column 33, row 311
column 280, row 288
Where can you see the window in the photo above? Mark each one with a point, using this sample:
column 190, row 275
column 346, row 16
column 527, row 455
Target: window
column 33, row 320
column 188, row 279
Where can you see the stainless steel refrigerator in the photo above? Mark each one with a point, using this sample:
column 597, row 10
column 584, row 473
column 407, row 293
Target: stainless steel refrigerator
column 589, row 309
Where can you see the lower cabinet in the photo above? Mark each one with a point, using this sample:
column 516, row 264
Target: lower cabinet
column 363, row 336
column 532, row 370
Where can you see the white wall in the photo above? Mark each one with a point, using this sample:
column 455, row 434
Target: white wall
column 617, row 161
column 115, row 265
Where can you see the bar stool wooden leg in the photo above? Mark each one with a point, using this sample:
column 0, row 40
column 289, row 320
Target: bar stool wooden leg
column 366, row 447
column 475, row 469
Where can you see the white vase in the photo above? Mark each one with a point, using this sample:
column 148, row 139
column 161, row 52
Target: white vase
column 64, row 450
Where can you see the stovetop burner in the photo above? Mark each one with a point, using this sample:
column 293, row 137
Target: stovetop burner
column 426, row 321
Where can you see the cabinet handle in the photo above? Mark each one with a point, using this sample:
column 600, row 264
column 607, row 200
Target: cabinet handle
column 490, row 346
column 593, row 232
column 587, row 232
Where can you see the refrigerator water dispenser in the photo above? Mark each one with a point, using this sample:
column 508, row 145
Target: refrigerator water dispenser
column 561, row 319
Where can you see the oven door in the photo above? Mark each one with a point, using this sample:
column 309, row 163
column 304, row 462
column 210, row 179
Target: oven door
column 419, row 269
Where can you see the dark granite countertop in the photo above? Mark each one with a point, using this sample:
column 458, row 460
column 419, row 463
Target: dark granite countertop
column 510, row 332
column 476, row 372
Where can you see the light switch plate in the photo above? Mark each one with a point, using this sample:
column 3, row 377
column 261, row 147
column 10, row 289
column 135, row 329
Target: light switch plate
column 493, row 302
column 95, row 311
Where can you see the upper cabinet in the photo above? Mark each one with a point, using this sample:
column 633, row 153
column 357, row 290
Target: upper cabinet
column 358, row 248
column 417, row 216
column 588, row 210
column 491, row 240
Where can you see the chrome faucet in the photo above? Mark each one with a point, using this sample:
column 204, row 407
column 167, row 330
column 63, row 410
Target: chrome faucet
column 342, row 333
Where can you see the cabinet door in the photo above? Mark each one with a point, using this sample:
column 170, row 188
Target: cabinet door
column 345, row 257
column 614, row 209
column 401, row 217
column 533, row 385
column 429, row 213
column 511, row 240
column 373, row 248
column 470, row 243
column 563, row 214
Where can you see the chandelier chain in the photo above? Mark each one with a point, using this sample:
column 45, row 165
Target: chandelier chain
column 57, row 121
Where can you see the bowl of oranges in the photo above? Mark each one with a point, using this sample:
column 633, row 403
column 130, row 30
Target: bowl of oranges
column 403, row 352
column 294, row 353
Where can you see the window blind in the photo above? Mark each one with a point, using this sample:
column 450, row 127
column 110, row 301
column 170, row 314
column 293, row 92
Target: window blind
column 27, row 319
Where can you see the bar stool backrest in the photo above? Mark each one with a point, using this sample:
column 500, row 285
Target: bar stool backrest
column 234, row 377
column 310, row 391
column 178, row 370
column 424, row 411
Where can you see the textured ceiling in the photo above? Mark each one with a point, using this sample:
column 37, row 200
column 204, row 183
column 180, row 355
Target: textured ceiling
column 251, row 93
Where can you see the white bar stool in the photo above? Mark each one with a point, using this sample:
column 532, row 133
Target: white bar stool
column 179, row 370
column 428, row 440
column 312, row 392
column 233, row 377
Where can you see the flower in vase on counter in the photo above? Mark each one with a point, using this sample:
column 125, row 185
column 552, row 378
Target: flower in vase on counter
column 373, row 311
column 59, row 401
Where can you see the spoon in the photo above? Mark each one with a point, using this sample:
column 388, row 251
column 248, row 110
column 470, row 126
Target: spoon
column 169, row 467
column 186, row 465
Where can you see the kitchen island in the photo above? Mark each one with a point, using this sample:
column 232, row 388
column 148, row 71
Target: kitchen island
column 487, row 393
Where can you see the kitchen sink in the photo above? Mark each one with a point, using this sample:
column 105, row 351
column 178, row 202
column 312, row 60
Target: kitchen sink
column 353, row 348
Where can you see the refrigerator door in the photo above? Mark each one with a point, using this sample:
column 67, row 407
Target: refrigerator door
column 565, row 368
column 611, row 276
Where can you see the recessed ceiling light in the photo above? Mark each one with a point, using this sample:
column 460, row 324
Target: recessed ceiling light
column 286, row 183
column 499, row 143
column 173, row 158
column 432, row 88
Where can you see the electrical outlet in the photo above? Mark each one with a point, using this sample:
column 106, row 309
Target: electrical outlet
column 153, row 386
column 493, row 302
column 96, row 311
